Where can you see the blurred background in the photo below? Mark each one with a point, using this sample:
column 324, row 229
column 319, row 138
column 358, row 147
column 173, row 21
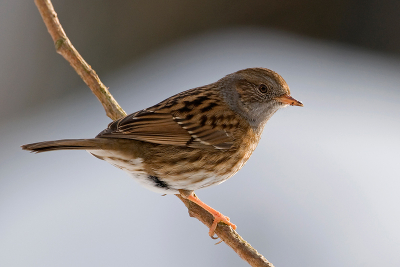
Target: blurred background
column 322, row 188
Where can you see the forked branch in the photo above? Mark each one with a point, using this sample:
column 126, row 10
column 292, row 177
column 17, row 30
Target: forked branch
column 114, row 111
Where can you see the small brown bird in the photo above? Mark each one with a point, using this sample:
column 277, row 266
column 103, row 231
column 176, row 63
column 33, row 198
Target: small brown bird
column 197, row 138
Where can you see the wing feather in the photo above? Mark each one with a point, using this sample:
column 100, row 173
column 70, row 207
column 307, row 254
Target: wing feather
column 172, row 127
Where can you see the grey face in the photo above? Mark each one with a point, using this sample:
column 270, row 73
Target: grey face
column 254, row 94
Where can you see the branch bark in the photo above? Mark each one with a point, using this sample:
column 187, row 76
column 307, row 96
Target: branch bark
column 65, row 48
column 114, row 111
column 228, row 235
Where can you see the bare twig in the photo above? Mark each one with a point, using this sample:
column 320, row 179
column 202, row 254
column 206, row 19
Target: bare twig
column 114, row 111
column 65, row 48
column 228, row 235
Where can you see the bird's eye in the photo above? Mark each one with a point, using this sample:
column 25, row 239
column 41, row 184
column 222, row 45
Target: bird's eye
column 263, row 88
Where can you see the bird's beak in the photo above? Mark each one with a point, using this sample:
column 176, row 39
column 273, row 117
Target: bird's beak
column 287, row 99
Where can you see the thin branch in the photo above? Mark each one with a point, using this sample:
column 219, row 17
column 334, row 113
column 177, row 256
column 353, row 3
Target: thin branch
column 65, row 48
column 228, row 235
column 114, row 111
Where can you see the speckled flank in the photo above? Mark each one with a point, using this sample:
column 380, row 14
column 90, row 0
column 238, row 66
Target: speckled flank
column 165, row 169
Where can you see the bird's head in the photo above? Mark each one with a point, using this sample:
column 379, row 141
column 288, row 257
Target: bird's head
column 256, row 94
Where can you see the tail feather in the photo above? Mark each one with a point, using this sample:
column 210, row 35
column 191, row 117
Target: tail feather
column 66, row 144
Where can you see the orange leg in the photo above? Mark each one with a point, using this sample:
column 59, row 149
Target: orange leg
column 218, row 217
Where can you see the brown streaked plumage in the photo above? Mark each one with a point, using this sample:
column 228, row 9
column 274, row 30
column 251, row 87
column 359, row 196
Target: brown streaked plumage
column 197, row 138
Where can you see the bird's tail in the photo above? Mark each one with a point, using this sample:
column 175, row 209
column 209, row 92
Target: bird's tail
column 76, row 144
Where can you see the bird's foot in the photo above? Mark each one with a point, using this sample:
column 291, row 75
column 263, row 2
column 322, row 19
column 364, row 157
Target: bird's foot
column 218, row 217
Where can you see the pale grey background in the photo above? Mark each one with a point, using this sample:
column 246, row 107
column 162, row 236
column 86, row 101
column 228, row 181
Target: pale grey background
column 322, row 188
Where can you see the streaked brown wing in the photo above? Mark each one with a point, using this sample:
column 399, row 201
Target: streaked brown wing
column 205, row 135
column 148, row 126
column 164, row 128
